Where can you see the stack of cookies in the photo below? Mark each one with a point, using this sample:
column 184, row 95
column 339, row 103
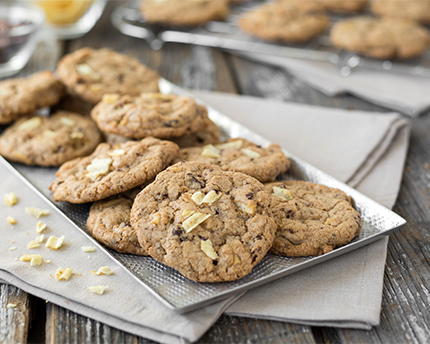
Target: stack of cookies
column 165, row 185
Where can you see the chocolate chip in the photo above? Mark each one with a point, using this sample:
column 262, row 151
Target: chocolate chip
column 177, row 231
column 249, row 195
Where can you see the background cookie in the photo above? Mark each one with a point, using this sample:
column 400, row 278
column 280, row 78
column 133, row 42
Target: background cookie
column 312, row 219
column 109, row 223
column 380, row 38
column 91, row 73
column 111, row 170
column 210, row 134
column 24, row 95
column 240, row 155
column 208, row 224
column 344, row 5
column 417, row 10
column 49, row 141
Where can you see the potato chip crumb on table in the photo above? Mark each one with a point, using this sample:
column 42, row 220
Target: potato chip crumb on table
column 36, row 212
column 88, row 248
column 11, row 220
column 10, row 199
column 98, row 289
column 104, row 270
column 55, row 243
column 11, row 305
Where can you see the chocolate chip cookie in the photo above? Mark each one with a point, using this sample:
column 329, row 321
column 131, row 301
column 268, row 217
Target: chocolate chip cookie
column 210, row 225
column 381, row 37
column 312, row 219
column 109, row 223
column 184, row 12
column 240, row 155
column 288, row 21
column 49, row 141
column 416, row 10
column 149, row 114
column 90, row 74
column 111, row 170
column 22, row 96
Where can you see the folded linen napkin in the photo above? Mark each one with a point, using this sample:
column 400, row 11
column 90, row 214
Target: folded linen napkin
column 137, row 311
column 400, row 92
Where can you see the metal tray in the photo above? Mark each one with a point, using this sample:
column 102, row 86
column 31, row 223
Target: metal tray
column 226, row 35
column 181, row 294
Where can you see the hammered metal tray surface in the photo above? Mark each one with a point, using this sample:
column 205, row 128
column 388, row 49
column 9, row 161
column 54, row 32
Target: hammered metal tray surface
column 182, row 295
column 227, row 35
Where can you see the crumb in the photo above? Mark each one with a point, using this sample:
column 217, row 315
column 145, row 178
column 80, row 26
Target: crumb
column 40, row 227
column 12, row 248
column 36, row 212
column 54, row 242
column 104, row 270
column 98, row 289
column 11, row 220
column 11, row 305
column 10, row 199
column 88, row 248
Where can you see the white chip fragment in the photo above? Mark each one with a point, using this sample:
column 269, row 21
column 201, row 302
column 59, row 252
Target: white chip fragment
column 50, row 133
column 211, row 152
column 211, row 197
column 197, row 197
column 98, row 167
column 231, row 144
column 249, row 209
column 250, row 153
column 63, row 274
column 10, row 199
column 33, row 244
column 104, row 270
column 194, row 220
column 116, row 152
column 54, row 242
column 67, row 121
column 187, row 213
column 40, row 238
column 100, row 289
column 283, row 193
column 30, row 124
column 156, row 219
column 11, row 220
column 206, row 247
column 11, row 305
column 110, row 97
column 40, row 227
column 36, row 212
column 85, row 69
column 76, row 135
column 88, row 249
column 34, row 259
column 13, row 248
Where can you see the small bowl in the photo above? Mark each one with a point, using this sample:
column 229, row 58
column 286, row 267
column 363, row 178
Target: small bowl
column 19, row 28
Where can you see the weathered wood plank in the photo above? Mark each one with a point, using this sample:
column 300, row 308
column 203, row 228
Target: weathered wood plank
column 14, row 322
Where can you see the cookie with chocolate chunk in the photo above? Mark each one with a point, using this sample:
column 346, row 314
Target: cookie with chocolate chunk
column 240, row 155
column 49, row 141
column 312, row 219
column 90, row 73
column 209, row 134
column 184, row 12
column 109, row 223
column 149, row 114
column 21, row 96
column 111, row 170
column 210, row 225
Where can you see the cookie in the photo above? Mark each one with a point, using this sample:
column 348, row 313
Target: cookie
column 381, row 38
column 210, row 134
column 416, row 10
column 288, row 21
column 109, row 223
column 210, row 225
column 312, row 219
column 72, row 103
column 149, row 114
column 344, row 6
column 22, row 96
column 111, row 170
column 240, row 155
column 90, row 74
column 184, row 12
column 49, row 141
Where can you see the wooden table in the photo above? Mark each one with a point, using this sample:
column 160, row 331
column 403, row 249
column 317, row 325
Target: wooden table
column 405, row 315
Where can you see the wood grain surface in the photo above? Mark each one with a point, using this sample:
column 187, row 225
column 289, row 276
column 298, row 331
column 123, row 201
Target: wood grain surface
column 405, row 314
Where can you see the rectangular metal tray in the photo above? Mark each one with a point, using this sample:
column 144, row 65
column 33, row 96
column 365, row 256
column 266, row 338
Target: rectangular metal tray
column 227, row 35
column 182, row 295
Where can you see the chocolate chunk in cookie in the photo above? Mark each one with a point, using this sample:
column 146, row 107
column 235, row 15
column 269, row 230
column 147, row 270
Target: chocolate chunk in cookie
column 90, row 74
column 109, row 223
column 111, row 170
column 149, row 114
column 49, row 141
column 312, row 219
column 240, row 155
column 22, row 96
column 210, row 225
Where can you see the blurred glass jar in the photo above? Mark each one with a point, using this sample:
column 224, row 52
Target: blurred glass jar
column 72, row 18
column 19, row 28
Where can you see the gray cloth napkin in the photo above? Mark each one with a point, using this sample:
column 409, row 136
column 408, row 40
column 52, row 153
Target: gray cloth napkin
column 400, row 92
column 137, row 311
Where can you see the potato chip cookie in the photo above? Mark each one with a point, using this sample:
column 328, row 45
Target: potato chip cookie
column 210, row 225
column 90, row 73
column 416, row 10
column 344, row 6
column 111, row 170
column 312, row 219
column 49, row 141
column 240, row 155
